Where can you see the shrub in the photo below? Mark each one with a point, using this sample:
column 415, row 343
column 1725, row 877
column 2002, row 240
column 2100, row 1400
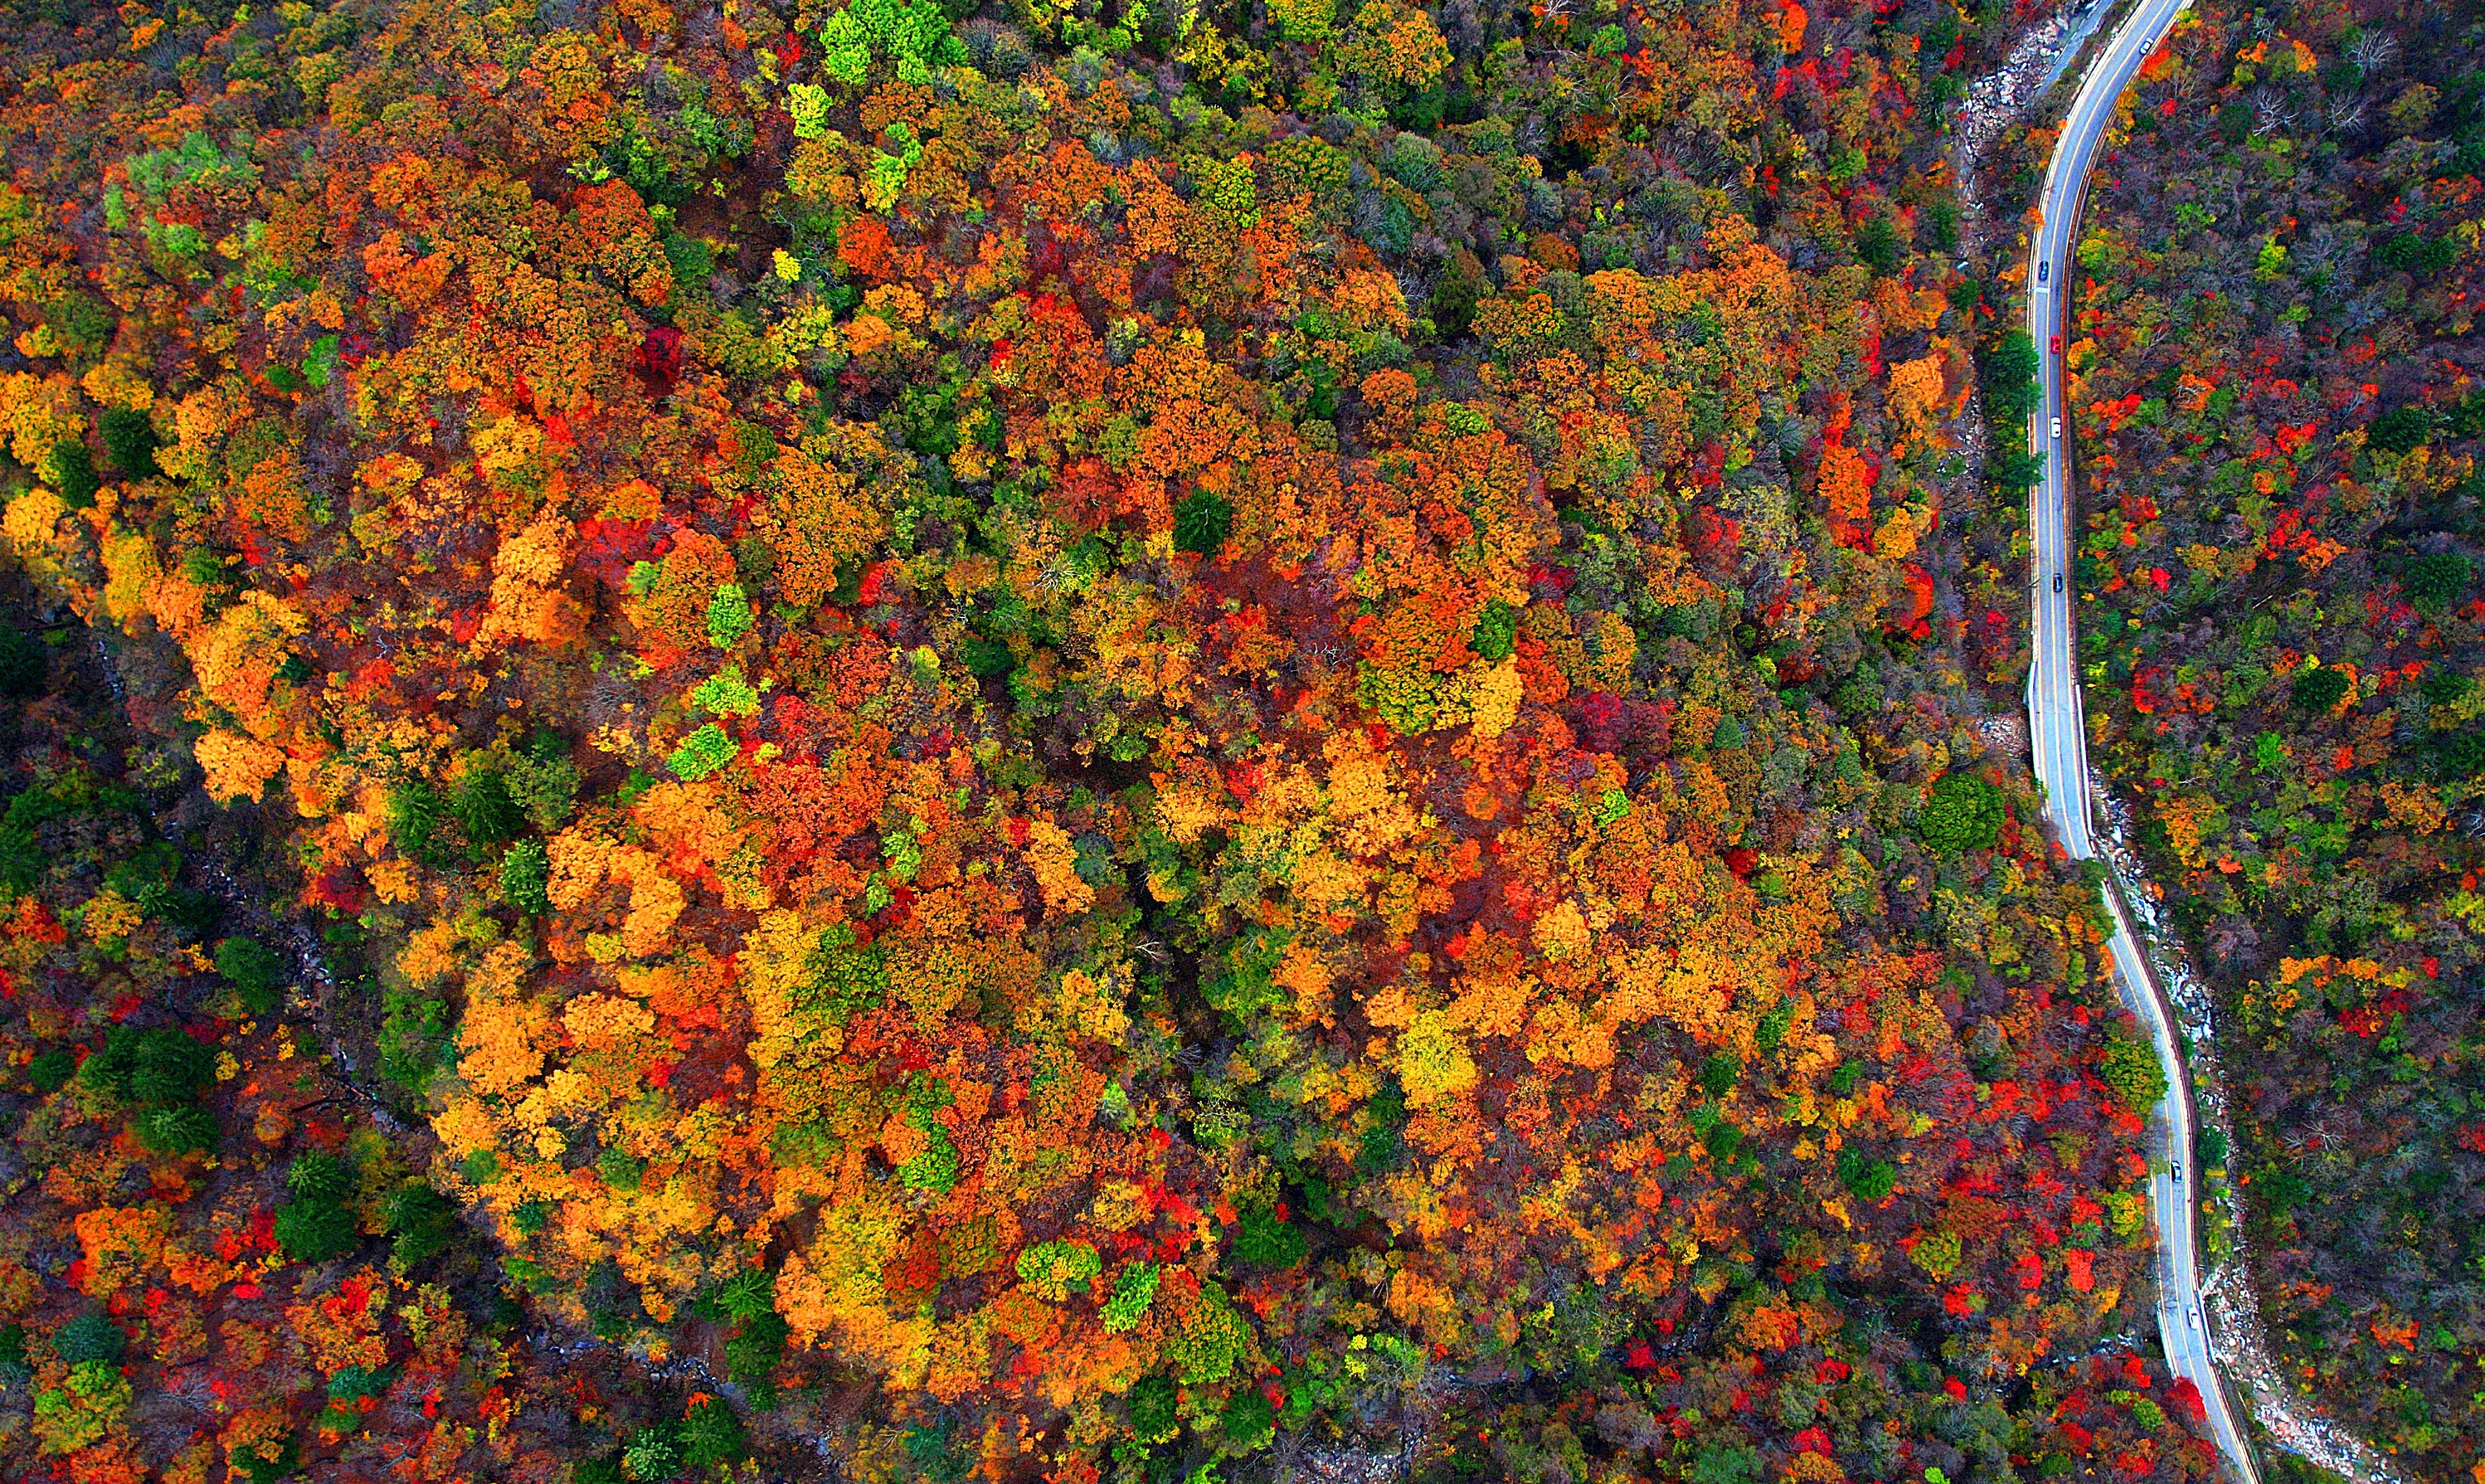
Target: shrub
column 189, row 1129
column 253, row 970
column 1496, row 632
column 1210, row 1341
column 1202, row 524
column 1052, row 1269
column 69, row 470
column 485, row 810
column 1248, row 1420
column 1154, row 1410
column 1261, row 1239
column 23, row 665
column 711, row 1434
column 156, row 1067
column 1964, row 813
column 2017, row 469
column 526, row 877
column 756, row 1345
column 653, row 1454
column 2130, row 1067
column 703, row 753
column 1133, row 1292
column 2318, row 691
column 2010, row 380
column 728, row 617
column 2400, row 430
column 129, row 441
column 1869, row 1179
column 53, row 1070
column 317, row 1224
column 1938, row 1254
column 421, row 1220
column 2437, row 576
column 82, row 1409
column 315, row 1230
column 318, row 1176
column 90, row 1336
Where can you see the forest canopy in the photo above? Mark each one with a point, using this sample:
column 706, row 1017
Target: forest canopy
column 1068, row 741
column 2275, row 382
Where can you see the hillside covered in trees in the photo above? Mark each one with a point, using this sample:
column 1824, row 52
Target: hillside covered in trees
column 219, row 1262
column 2280, row 403
column 1040, row 740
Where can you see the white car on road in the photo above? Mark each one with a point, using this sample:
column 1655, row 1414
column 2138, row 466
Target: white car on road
column 2054, row 694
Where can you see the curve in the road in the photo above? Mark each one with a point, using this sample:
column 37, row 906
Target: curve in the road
column 2056, row 717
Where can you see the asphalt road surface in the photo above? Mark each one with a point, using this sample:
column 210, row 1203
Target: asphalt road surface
column 2055, row 716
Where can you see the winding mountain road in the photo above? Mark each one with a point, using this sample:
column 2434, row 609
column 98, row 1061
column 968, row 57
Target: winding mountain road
column 2057, row 724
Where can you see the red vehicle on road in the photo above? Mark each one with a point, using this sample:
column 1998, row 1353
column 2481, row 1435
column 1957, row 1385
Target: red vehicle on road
column 2058, row 345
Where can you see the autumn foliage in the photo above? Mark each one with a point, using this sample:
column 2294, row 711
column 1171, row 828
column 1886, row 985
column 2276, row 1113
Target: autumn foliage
column 2273, row 394
column 1077, row 743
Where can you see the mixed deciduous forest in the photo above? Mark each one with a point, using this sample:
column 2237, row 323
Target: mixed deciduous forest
column 221, row 1263
column 922, row 741
column 2280, row 401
